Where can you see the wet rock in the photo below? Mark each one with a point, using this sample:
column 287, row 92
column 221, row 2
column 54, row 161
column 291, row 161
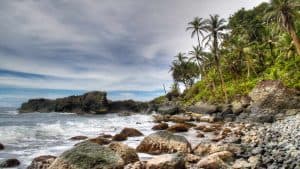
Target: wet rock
column 131, row 132
column 161, row 126
column 75, row 138
column 164, row 142
column 166, row 161
column 178, row 128
column 87, row 156
column 1, row 146
column 100, row 140
column 127, row 153
column 9, row 163
column 200, row 127
column 41, row 162
column 200, row 135
column 105, row 135
column 119, row 137
column 210, row 148
column 207, row 118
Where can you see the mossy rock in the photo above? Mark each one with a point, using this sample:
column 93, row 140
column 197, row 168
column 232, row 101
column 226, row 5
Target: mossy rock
column 88, row 156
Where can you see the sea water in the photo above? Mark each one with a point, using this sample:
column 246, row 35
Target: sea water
column 29, row 135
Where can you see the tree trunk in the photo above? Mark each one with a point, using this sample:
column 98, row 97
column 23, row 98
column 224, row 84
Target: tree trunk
column 295, row 38
column 198, row 39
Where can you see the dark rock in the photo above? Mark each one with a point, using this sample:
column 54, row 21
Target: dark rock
column 160, row 126
column 41, row 162
column 180, row 127
column 75, row 138
column 100, row 140
column 164, row 142
column 131, row 132
column 119, row 137
column 1, row 146
column 92, row 102
column 106, row 135
column 128, row 106
column 9, row 163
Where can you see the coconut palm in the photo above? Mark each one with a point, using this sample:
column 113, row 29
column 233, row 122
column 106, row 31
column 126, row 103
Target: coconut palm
column 284, row 13
column 197, row 27
column 180, row 57
column 198, row 56
column 215, row 28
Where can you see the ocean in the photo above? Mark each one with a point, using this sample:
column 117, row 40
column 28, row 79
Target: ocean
column 26, row 136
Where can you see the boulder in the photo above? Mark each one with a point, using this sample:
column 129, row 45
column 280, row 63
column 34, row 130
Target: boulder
column 178, row 128
column 131, row 132
column 164, row 142
column 168, row 109
column 202, row 107
column 207, row 118
column 119, row 137
column 271, row 97
column 212, row 163
column 41, row 162
column 88, row 155
column 166, row 161
column 207, row 149
column 161, row 126
column 158, row 118
column 100, row 140
column 106, row 135
column 180, row 118
column 9, row 163
column 1, row 146
column 75, row 138
column 191, row 158
column 127, row 153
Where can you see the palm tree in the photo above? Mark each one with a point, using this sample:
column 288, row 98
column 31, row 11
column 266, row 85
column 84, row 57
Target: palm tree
column 198, row 56
column 215, row 28
column 197, row 28
column 180, row 57
column 284, row 13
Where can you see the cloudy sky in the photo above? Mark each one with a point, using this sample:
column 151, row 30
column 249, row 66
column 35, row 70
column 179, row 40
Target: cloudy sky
column 55, row 48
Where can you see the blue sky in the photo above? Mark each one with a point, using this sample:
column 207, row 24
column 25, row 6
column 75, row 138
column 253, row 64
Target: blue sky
column 57, row 48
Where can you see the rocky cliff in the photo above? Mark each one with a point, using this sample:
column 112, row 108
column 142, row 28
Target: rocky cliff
column 94, row 102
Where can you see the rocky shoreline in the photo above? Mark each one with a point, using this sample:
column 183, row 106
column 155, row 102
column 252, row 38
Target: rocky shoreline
column 261, row 130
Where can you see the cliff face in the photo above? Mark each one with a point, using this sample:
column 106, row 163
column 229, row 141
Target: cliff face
column 92, row 102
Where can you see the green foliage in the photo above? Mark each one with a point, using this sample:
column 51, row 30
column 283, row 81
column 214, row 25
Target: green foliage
column 262, row 43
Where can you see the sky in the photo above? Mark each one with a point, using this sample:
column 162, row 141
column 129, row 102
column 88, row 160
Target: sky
column 58, row 48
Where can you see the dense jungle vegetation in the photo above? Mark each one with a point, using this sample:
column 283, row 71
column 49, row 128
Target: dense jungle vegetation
column 230, row 57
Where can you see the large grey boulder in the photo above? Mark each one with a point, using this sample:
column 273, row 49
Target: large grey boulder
column 166, row 161
column 88, row 155
column 42, row 162
column 203, row 108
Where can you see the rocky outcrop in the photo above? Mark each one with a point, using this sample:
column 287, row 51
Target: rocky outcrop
column 164, row 142
column 91, row 102
column 75, row 138
column 87, row 156
column 42, row 162
column 9, row 163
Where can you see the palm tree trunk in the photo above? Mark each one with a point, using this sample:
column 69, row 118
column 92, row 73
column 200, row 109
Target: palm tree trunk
column 295, row 38
column 198, row 39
